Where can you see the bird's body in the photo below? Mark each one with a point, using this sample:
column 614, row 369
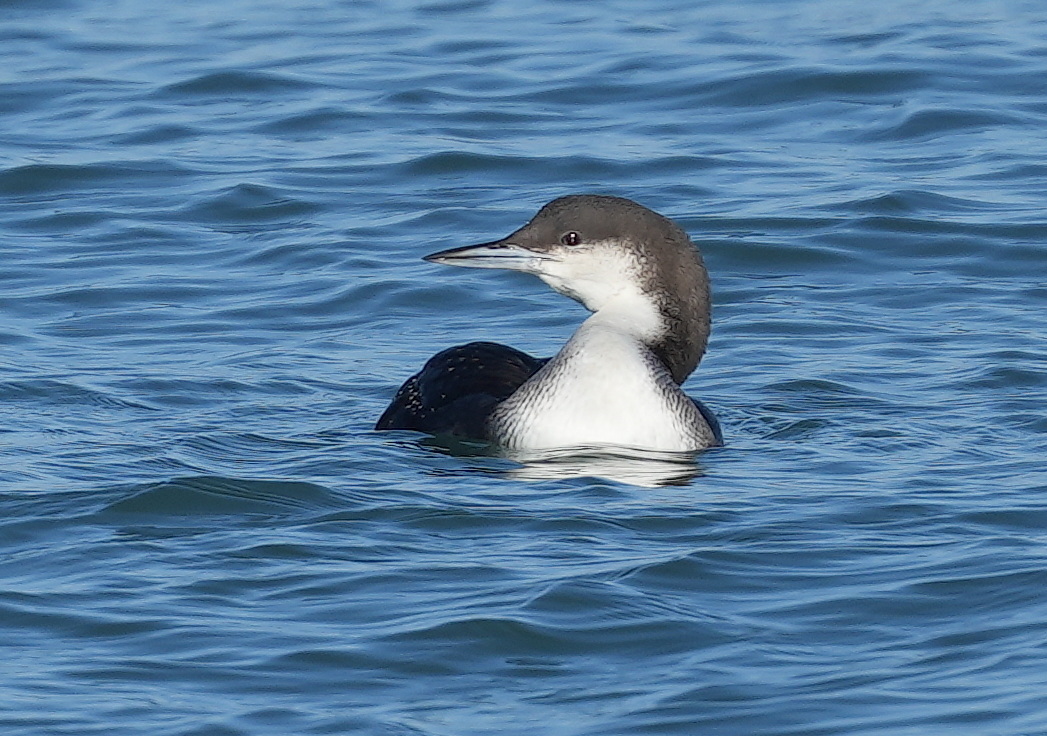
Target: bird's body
column 616, row 382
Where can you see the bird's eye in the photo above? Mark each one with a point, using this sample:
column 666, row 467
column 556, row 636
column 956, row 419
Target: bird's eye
column 571, row 238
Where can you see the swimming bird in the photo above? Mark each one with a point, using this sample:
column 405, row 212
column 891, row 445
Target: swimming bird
column 616, row 382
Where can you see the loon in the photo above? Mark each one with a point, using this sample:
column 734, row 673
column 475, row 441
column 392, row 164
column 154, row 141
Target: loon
column 616, row 382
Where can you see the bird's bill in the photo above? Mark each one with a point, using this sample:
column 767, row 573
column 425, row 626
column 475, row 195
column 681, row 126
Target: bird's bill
column 498, row 254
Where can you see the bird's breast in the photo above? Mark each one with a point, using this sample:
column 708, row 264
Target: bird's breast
column 603, row 388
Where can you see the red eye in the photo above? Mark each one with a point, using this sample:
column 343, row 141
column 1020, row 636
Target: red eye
column 571, row 238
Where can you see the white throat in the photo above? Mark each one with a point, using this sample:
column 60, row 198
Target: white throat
column 600, row 275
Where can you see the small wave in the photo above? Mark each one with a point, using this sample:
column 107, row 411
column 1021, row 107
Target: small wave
column 910, row 201
column 249, row 203
column 929, row 124
column 62, row 392
column 801, row 84
column 210, row 495
column 238, row 82
column 35, row 179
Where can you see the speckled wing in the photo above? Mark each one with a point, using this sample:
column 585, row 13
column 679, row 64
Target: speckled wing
column 457, row 389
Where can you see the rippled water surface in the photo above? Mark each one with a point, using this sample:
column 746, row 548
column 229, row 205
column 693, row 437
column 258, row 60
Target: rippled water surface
column 211, row 223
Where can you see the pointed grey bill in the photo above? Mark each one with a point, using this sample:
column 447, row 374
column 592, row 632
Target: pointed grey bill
column 498, row 254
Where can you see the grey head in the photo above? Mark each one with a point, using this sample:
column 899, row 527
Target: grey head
column 612, row 255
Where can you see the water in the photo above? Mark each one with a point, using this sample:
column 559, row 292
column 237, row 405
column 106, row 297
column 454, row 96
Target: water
column 211, row 220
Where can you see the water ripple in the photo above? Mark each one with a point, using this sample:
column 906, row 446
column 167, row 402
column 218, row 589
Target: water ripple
column 212, row 232
column 219, row 496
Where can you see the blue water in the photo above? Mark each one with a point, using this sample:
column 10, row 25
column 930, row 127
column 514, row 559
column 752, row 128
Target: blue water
column 211, row 223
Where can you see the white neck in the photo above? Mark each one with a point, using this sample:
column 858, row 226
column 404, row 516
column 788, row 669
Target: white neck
column 630, row 313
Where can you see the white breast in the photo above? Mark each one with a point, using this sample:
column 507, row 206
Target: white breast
column 603, row 388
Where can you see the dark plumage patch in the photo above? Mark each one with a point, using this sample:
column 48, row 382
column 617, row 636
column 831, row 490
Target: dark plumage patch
column 457, row 389
column 711, row 420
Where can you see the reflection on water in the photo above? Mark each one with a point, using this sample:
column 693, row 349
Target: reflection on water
column 644, row 468
column 635, row 466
